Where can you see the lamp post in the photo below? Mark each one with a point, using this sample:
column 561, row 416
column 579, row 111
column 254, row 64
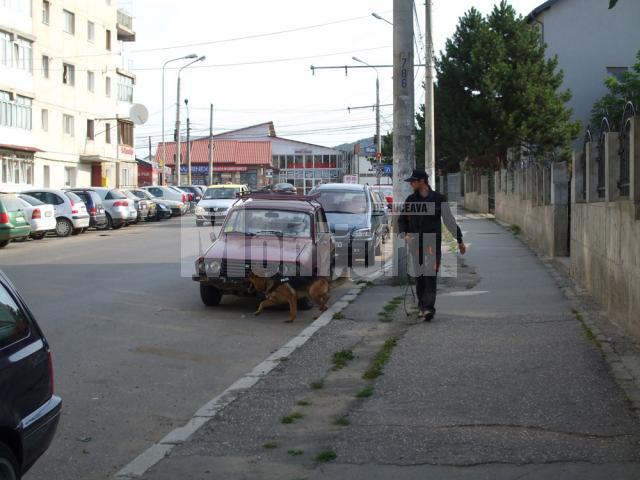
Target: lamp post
column 186, row 104
column 164, row 145
column 378, row 139
column 178, row 152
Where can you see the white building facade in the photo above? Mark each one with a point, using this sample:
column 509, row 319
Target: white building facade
column 75, row 94
column 591, row 42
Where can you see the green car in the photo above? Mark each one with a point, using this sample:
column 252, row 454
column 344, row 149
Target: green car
column 13, row 223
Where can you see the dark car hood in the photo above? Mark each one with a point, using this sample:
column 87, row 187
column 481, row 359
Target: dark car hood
column 257, row 249
column 353, row 221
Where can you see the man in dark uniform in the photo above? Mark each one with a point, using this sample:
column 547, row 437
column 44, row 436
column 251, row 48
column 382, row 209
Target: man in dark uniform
column 420, row 223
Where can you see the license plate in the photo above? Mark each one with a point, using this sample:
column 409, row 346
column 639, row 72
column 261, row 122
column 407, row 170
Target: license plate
column 48, row 214
column 20, row 219
column 339, row 244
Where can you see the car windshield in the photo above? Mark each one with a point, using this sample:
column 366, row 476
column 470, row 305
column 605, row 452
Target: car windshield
column 279, row 223
column 220, row 193
column 116, row 194
column 142, row 194
column 11, row 203
column 31, row 200
column 341, row 201
column 386, row 191
column 73, row 197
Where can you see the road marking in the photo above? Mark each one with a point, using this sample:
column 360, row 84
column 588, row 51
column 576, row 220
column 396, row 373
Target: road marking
column 153, row 455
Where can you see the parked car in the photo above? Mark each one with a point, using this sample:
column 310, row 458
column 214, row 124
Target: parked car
column 13, row 222
column 272, row 233
column 382, row 206
column 119, row 209
column 29, row 408
column 216, row 202
column 197, row 193
column 386, row 191
column 354, row 218
column 189, row 197
column 71, row 212
column 169, row 193
column 41, row 216
column 145, row 208
column 93, row 202
column 162, row 212
column 176, row 208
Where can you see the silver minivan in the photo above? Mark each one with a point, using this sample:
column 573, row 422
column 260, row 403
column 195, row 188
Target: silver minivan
column 119, row 209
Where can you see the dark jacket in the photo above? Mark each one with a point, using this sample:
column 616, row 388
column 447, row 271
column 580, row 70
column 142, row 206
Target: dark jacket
column 425, row 215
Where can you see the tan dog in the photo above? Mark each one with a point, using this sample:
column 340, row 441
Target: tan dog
column 282, row 293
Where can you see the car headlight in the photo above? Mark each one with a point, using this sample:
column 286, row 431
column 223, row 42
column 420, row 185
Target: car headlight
column 362, row 233
column 214, row 267
column 288, row 269
column 199, row 210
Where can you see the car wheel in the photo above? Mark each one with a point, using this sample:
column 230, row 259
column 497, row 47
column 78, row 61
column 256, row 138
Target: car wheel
column 63, row 227
column 199, row 223
column 4, row 243
column 38, row 236
column 304, row 304
column 118, row 227
column 210, row 296
column 8, row 464
column 76, row 231
column 109, row 222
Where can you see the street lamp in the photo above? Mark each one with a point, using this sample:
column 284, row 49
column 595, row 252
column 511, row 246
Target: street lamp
column 178, row 152
column 164, row 145
column 379, row 140
column 375, row 15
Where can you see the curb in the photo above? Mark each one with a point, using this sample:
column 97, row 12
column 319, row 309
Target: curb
column 154, row 454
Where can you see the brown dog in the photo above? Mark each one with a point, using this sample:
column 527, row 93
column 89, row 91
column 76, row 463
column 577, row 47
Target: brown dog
column 282, row 293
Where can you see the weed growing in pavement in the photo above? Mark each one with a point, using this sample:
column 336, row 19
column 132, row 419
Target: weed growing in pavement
column 326, row 456
column 294, row 452
column 386, row 314
column 296, row 415
column 287, row 420
column 270, row 446
column 381, row 358
column 515, row 229
column 338, row 316
column 365, row 392
column 317, row 385
column 585, row 328
column 292, row 417
column 304, row 403
column 341, row 358
column 342, row 421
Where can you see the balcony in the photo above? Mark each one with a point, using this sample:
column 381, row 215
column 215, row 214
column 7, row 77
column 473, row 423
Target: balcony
column 125, row 27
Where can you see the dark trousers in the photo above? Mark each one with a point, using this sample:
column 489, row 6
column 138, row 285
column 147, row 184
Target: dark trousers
column 426, row 286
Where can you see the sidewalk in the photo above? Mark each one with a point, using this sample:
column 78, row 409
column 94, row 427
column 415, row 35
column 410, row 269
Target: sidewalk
column 504, row 383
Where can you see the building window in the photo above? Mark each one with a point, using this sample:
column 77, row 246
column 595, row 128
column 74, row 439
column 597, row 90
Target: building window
column 68, row 74
column 108, row 39
column 16, row 168
column 67, row 124
column 45, row 66
column 617, row 72
column 46, row 9
column 125, row 133
column 69, row 176
column 125, row 177
column 90, row 130
column 91, row 81
column 5, row 48
column 23, row 54
column 15, row 111
column 44, row 117
column 107, row 86
column 91, row 32
column 69, row 22
column 107, row 133
column 125, row 89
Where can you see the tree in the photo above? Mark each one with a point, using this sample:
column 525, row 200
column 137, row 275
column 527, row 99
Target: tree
column 623, row 90
column 496, row 90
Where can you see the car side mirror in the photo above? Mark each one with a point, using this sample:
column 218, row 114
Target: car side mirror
column 213, row 236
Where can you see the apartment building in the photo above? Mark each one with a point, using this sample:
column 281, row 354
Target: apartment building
column 68, row 95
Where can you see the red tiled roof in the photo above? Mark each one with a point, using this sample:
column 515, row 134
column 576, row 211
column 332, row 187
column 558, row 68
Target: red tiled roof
column 234, row 152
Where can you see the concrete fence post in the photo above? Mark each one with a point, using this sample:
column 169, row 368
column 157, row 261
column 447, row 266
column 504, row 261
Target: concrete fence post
column 591, row 151
column 634, row 165
column 611, row 166
column 577, row 176
column 559, row 184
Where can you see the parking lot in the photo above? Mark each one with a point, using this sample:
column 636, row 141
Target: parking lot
column 135, row 350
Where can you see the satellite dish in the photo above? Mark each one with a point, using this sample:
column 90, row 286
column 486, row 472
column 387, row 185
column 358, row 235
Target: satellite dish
column 138, row 114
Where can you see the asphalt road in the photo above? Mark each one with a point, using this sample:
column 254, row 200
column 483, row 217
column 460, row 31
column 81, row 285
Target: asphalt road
column 135, row 351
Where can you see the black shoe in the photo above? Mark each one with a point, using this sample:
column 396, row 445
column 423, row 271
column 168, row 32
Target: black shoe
column 428, row 315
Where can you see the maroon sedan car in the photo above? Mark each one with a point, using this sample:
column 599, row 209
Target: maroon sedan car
column 268, row 234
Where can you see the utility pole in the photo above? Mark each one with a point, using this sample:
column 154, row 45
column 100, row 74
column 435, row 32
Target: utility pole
column 150, row 159
column 211, row 144
column 403, row 114
column 188, row 151
column 378, row 139
column 429, row 116
column 178, row 146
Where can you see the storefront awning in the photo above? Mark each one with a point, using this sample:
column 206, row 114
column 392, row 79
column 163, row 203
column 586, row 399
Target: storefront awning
column 20, row 148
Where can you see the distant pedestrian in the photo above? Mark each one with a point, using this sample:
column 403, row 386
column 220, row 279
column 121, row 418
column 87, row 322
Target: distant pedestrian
column 420, row 222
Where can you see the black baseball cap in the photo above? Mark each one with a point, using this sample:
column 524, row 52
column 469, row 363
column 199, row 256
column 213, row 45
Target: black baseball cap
column 417, row 175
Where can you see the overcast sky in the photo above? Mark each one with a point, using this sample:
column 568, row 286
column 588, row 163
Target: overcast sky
column 275, row 82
